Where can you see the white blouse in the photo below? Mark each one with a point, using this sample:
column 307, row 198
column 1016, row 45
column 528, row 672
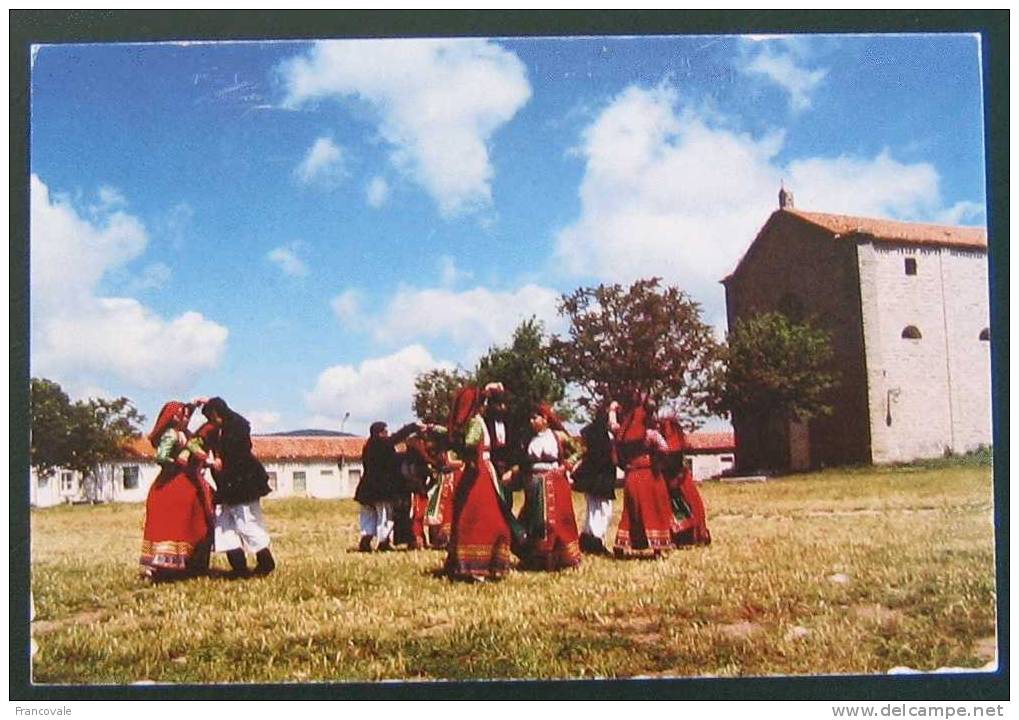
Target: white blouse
column 543, row 450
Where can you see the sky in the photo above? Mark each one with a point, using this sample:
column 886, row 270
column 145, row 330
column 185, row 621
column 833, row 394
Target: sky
column 303, row 227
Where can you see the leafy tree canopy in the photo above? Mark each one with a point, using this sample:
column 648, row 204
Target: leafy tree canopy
column 78, row 435
column 434, row 391
column 772, row 365
column 524, row 367
column 646, row 338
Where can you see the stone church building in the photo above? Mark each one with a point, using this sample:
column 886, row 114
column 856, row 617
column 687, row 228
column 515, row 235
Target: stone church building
column 906, row 306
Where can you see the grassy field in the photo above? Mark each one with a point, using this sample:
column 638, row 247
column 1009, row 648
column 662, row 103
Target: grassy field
column 853, row 571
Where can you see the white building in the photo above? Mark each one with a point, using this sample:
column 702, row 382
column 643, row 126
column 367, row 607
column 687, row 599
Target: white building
column 313, row 467
column 710, row 454
column 317, row 467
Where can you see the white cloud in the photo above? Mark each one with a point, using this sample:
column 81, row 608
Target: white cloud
column 449, row 273
column 177, row 223
column 877, row 187
column 377, row 192
column 667, row 193
column 263, row 421
column 439, row 102
column 347, row 307
column 784, row 70
column 472, row 319
column 288, row 261
column 377, row 389
column 963, row 212
column 83, row 339
column 323, row 164
column 151, row 277
column 110, row 198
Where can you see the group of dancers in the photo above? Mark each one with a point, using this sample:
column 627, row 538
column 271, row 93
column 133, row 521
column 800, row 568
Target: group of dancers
column 185, row 518
column 453, row 486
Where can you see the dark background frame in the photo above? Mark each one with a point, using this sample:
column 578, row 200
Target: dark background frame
column 32, row 27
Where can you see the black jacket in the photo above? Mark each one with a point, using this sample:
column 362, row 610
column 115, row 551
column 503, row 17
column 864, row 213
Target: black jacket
column 243, row 478
column 597, row 472
column 382, row 480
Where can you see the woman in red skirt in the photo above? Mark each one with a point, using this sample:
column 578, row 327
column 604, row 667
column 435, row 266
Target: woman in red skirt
column 647, row 523
column 687, row 504
column 553, row 542
column 479, row 548
column 178, row 509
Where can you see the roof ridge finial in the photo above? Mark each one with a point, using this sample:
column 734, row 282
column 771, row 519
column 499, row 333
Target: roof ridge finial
column 785, row 197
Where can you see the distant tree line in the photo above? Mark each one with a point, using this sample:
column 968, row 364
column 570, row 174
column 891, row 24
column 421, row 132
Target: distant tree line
column 649, row 338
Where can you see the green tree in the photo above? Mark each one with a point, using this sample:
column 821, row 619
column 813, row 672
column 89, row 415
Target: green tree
column 524, row 367
column 52, row 425
column 434, row 391
column 772, row 366
column 80, row 435
column 647, row 338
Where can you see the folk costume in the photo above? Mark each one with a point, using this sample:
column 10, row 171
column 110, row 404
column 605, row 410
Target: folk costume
column 241, row 481
column 416, row 465
column 596, row 478
column 506, row 446
column 480, row 545
column 178, row 508
column 547, row 515
column 687, row 505
column 647, row 523
column 448, row 468
column 381, row 485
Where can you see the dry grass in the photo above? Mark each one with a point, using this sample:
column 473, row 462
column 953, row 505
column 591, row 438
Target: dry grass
column 837, row 572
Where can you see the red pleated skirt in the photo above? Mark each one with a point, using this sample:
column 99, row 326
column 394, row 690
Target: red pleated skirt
column 480, row 544
column 647, row 522
column 553, row 540
column 177, row 520
column 692, row 530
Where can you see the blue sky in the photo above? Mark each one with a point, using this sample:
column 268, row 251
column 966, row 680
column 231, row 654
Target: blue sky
column 301, row 227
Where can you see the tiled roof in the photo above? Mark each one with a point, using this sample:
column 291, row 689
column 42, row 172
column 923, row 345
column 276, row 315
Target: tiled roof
column 306, row 448
column 897, row 232
column 705, row 441
column 277, row 448
column 269, row 448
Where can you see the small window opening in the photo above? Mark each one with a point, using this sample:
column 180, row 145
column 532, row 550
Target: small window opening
column 911, row 266
column 985, row 334
column 911, row 332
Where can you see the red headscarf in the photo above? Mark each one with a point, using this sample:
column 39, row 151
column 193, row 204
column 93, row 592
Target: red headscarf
column 546, row 411
column 465, row 405
column 634, row 424
column 165, row 420
column 672, row 431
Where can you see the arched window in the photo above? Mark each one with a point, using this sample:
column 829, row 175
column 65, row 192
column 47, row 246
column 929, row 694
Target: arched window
column 985, row 334
column 911, row 332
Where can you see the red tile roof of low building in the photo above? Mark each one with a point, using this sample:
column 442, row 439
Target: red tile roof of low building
column 269, row 448
column 896, row 231
column 707, row 441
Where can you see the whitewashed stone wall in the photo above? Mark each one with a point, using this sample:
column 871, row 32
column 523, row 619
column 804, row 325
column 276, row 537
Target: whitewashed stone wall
column 711, row 465
column 321, row 480
column 930, row 394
